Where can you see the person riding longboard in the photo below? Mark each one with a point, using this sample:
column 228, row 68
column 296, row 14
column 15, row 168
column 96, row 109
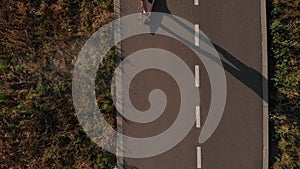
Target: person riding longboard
column 144, row 6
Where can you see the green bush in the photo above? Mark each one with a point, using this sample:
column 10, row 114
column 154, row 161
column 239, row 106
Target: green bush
column 284, row 46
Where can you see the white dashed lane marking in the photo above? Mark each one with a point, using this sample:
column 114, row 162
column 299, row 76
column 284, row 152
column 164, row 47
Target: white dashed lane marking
column 197, row 76
column 197, row 31
column 199, row 165
column 198, row 122
column 197, row 84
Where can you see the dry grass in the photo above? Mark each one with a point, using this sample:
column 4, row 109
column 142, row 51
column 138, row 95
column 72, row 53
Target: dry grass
column 39, row 43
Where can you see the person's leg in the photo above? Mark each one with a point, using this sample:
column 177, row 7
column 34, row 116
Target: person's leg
column 144, row 6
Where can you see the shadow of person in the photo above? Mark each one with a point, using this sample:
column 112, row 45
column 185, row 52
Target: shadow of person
column 160, row 6
column 245, row 74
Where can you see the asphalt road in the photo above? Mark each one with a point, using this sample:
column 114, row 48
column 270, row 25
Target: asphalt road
column 234, row 27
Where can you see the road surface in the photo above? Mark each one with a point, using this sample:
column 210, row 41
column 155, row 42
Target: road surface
column 234, row 27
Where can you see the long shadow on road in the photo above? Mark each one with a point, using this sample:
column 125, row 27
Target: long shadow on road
column 245, row 74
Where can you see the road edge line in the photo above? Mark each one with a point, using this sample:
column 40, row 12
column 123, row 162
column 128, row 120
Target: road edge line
column 117, row 35
column 265, row 100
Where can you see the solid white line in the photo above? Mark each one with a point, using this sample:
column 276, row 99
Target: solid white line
column 197, row 78
column 196, row 2
column 198, row 122
column 197, row 31
column 265, row 90
column 199, row 165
